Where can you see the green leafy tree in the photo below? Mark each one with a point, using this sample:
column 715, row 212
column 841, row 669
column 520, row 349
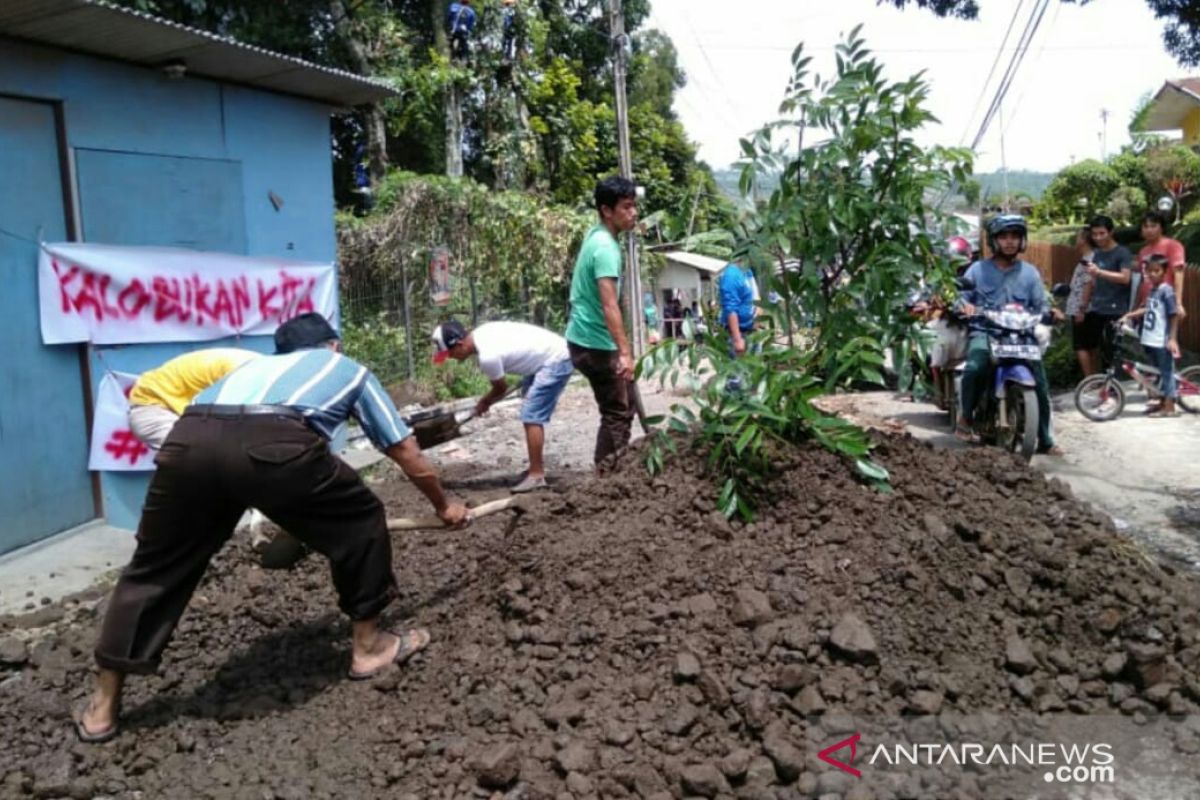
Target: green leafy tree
column 1126, row 203
column 1079, row 191
column 842, row 240
column 1174, row 169
column 848, row 229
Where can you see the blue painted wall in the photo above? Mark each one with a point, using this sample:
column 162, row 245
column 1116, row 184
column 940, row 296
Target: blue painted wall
column 177, row 162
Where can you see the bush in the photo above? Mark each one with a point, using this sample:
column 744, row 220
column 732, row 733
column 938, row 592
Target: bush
column 454, row 379
column 1062, row 368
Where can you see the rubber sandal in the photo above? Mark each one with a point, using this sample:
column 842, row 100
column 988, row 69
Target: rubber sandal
column 99, row 737
column 1161, row 413
column 1053, row 450
column 404, row 652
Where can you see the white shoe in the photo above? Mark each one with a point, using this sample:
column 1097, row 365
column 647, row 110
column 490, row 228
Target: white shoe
column 529, row 484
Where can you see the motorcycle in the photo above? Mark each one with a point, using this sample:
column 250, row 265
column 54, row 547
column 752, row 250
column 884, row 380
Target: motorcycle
column 1007, row 413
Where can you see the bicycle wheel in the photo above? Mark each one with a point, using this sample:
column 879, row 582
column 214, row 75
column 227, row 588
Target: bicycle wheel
column 1187, row 382
column 1099, row 398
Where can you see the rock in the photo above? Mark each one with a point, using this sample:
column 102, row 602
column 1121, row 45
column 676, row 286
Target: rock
column 1018, row 656
column 1018, row 581
column 810, row 702
column 575, row 757
column 1159, row 694
column 761, row 772
column 1022, row 687
column 1114, row 665
column 498, row 767
column 578, row 579
column 682, row 720
column 579, row 784
column 734, row 765
column 687, row 666
column 643, row 687
column 750, row 608
column 935, row 527
column 699, row 605
column 853, row 638
column 793, row 677
column 788, row 760
column 704, row 780
column 617, row 734
column 714, row 691
column 925, row 702
column 13, row 652
column 1107, row 621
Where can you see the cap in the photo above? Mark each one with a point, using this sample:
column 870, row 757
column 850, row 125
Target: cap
column 446, row 336
column 303, row 332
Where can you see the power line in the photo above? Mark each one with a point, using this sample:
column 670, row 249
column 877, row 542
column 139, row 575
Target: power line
column 1036, row 61
column 987, row 81
column 1014, row 65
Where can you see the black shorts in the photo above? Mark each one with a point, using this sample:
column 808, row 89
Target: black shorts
column 1093, row 331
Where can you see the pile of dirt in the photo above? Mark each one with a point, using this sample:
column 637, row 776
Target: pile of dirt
column 625, row 640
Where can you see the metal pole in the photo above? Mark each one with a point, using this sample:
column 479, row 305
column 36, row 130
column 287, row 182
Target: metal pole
column 633, row 300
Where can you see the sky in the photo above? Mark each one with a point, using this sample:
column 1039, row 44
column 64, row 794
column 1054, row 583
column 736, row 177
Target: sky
column 1105, row 55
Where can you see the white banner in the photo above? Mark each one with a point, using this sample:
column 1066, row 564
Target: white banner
column 114, row 447
column 106, row 294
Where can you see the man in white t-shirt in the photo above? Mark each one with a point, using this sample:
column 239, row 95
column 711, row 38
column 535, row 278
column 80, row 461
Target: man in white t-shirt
column 540, row 357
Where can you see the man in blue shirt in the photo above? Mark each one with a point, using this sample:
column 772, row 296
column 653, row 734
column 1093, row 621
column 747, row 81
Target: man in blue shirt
column 260, row 438
column 738, row 292
column 998, row 281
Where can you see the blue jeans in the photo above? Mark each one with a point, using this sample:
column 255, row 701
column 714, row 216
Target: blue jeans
column 542, row 390
column 1161, row 358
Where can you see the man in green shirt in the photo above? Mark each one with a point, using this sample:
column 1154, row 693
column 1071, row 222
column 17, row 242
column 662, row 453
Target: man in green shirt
column 596, row 332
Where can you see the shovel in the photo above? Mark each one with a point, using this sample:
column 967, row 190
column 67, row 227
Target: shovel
column 486, row 509
column 438, row 427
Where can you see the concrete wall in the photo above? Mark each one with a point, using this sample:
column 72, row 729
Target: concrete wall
column 182, row 163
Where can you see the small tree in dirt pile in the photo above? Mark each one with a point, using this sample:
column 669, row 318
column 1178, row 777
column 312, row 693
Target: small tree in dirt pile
column 845, row 237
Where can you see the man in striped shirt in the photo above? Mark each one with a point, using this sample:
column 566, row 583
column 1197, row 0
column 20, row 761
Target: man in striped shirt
column 260, row 437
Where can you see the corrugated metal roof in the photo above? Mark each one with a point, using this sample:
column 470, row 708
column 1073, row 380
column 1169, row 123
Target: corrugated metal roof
column 100, row 28
column 695, row 260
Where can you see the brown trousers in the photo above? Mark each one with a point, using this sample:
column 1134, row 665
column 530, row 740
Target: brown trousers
column 614, row 396
column 210, row 469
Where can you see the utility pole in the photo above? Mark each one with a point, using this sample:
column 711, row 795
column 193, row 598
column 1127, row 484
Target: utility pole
column 633, row 297
column 1104, row 134
column 1004, row 162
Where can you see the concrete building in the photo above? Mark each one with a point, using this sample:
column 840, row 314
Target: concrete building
column 121, row 128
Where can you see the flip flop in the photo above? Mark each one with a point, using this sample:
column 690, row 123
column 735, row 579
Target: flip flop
column 1053, row 450
column 99, row 737
column 407, row 649
column 529, row 484
column 1161, row 413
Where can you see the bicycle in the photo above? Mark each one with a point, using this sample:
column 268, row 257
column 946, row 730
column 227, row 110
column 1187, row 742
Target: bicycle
column 1101, row 397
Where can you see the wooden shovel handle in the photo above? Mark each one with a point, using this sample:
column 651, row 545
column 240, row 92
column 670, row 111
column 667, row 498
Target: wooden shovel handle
column 419, row 523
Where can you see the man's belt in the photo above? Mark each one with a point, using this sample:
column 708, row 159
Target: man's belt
column 253, row 410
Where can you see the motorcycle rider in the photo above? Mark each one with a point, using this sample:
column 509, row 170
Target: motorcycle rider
column 998, row 281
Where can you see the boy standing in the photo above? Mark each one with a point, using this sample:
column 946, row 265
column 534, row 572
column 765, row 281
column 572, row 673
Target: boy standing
column 1160, row 331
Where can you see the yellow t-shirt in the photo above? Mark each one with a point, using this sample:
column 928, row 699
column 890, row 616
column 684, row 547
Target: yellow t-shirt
column 175, row 383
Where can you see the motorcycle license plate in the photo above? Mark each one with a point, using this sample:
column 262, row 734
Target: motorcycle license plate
column 1028, row 352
